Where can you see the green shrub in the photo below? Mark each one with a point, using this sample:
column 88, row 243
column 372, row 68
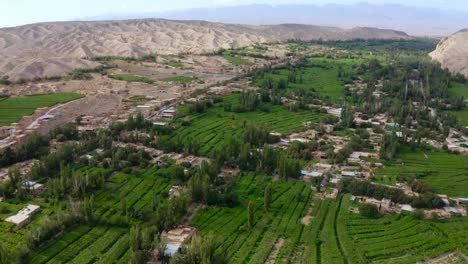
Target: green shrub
column 369, row 210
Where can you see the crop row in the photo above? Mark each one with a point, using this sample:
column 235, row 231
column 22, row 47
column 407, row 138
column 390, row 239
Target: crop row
column 55, row 247
column 93, row 252
column 72, row 250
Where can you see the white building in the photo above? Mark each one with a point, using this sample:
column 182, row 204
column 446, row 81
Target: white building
column 24, row 215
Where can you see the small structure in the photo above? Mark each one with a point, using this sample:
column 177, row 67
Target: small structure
column 451, row 210
column 348, row 174
column 160, row 124
column 24, row 215
column 335, row 111
column 175, row 191
column 359, row 155
column 306, row 173
column 302, row 140
column 47, row 117
column 33, row 187
column 407, row 207
column 143, row 107
column 175, row 239
column 276, row 134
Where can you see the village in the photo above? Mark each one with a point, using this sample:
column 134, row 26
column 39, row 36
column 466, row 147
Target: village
column 160, row 107
column 159, row 104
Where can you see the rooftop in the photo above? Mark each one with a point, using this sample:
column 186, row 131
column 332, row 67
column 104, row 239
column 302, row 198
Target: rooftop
column 23, row 215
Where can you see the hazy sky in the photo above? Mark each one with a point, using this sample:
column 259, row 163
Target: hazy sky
column 18, row 12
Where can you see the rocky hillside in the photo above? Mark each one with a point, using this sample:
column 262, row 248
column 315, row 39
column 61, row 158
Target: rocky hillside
column 52, row 49
column 452, row 52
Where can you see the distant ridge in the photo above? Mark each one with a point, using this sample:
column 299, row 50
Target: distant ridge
column 51, row 49
column 420, row 21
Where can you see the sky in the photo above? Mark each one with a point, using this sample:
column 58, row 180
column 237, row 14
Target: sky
column 20, row 12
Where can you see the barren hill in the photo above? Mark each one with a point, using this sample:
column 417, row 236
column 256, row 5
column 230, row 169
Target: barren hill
column 51, row 49
column 452, row 52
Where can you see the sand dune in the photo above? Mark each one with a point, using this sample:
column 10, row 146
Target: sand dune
column 52, row 49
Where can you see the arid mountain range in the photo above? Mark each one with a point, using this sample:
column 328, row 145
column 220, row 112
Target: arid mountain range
column 53, row 49
column 452, row 52
column 414, row 20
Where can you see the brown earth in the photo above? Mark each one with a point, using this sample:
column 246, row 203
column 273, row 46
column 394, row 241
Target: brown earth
column 53, row 49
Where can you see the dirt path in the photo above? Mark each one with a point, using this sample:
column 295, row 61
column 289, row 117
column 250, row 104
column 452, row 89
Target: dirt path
column 278, row 245
column 192, row 211
column 454, row 257
column 308, row 217
column 35, row 122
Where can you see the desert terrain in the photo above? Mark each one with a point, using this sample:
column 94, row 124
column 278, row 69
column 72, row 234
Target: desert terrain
column 53, row 49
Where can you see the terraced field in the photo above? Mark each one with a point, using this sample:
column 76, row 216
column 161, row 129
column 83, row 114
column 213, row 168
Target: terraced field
column 109, row 243
column 333, row 236
column 86, row 244
column 215, row 125
column 320, row 75
column 447, row 173
column 396, row 239
column 13, row 109
column 283, row 222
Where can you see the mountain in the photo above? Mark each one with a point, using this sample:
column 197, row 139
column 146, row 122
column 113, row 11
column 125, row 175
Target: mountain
column 452, row 52
column 413, row 20
column 51, row 49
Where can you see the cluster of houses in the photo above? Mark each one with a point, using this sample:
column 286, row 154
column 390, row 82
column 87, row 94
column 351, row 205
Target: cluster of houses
column 457, row 142
column 165, row 115
column 91, row 123
column 386, row 206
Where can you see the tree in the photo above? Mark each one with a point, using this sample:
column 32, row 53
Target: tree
column 267, row 198
column 419, row 214
column 160, row 243
column 123, row 204
column 369, row 210
column 200, row 250
column 250, row 211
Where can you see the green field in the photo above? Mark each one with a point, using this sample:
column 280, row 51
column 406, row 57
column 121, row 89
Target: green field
column 395, row 238
column 179, row 79
column 462, row 115
column 320, row 76
column 215, row 126
column 174, row 63
column 447, row 173
column 290, row 202
column 13, row 109
column 13, row 236
column 131, row 78
column 459, row 89
column 235, row 59
column 333, row 235
column 86, row 244
column 106, row 242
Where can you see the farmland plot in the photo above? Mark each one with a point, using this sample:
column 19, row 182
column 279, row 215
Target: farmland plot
column 109, row 243
column 13, row 109
column 447, row 173
column 334, row 235
column 215, row 126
